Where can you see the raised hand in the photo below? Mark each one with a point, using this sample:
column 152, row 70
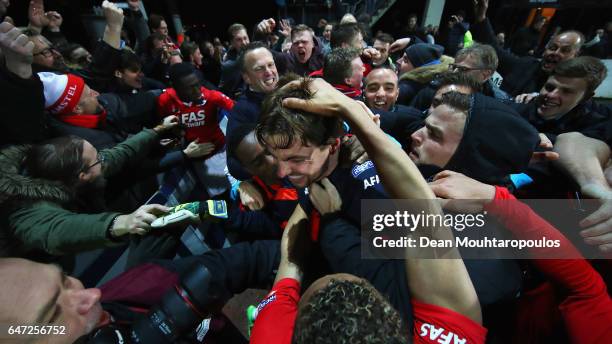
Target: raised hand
column 370, row 53
column 399, row 44
column 266, row 26
column 134, row 5
column 480, row 9
column 326, row 100
column 285, row 28
column 36, row 14
column 17, row 50
column 113, row 14
column 55, row 20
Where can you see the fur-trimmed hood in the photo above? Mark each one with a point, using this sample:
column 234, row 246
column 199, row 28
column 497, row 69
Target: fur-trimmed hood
column 15, row 186
column 426, row 74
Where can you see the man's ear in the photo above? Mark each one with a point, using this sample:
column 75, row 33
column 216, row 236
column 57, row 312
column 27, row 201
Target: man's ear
column 246, row 79
column 83, row 177
column 118, row 74
column 335, row 145
column 488, row 73
column 78, row 109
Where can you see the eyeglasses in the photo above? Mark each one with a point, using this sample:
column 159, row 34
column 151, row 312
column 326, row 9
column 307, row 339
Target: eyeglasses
column 100, row 160
column 459, row 68
column 47, row 52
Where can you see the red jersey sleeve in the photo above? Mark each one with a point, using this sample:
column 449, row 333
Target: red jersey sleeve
column 220, row 99
column 163, row 105
column 587, row 307
column 439, row 325
column 276, row 314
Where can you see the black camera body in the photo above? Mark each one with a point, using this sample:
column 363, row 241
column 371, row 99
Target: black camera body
column 177, row 315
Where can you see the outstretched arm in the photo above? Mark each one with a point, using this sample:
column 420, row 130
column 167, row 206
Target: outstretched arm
column 584, row 158
column 586, row 304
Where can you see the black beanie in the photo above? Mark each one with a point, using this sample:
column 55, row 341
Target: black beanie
column 179, row 70
column 422, row 54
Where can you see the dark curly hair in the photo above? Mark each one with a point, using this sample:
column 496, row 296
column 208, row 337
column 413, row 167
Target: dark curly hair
column 279, row 127
column 348, row 312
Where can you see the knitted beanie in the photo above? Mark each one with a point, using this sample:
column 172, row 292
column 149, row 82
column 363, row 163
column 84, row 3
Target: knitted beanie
column 62, row 92
column 424, row 54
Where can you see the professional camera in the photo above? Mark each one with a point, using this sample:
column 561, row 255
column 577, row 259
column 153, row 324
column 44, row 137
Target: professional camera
column 174, row 320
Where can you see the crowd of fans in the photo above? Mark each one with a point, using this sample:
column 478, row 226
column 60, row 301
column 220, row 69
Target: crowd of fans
column 293, row 127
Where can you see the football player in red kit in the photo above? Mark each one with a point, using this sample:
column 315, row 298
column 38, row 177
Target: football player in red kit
column 193, row 106
column 195, row 109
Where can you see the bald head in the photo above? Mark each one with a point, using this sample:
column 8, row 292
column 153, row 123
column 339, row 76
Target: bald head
column 561, row 47
column 381, row 89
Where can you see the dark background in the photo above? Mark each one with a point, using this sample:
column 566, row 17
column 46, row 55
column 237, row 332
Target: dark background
column 584, row 15
column 213, row 17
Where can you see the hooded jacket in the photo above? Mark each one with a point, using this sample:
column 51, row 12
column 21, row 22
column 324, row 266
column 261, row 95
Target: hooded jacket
column 496, row 142
column 39, row 216
column 411, row 82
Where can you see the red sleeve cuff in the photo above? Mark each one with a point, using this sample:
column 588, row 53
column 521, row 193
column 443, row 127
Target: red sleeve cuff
column 286, row 283
column 502, row 193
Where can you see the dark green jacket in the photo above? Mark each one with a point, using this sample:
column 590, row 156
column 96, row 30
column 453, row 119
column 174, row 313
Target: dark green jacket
column 36, row 215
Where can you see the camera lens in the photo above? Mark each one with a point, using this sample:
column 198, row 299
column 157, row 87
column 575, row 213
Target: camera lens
column 179, row 312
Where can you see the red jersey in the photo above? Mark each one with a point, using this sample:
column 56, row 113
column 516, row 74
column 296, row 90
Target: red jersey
column 587, row 306
column 432, row 324
column 198, row 118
